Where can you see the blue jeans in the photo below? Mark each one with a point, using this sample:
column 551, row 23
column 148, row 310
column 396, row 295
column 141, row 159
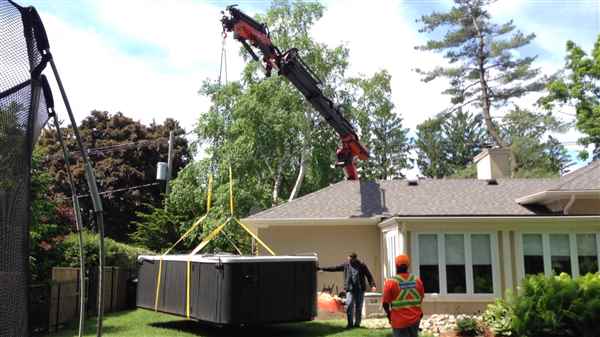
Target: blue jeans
column 354, row 304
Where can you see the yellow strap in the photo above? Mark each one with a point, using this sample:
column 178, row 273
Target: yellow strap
column 209, row 238
column 191, row 229
column 230, row 191
column 187, row 290
column 209, row 196
column 158, row 284
column 196, row 224
column 255, row 237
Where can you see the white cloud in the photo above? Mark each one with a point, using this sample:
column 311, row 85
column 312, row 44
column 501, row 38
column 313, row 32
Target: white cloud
column 379, row 36
column 99, row 75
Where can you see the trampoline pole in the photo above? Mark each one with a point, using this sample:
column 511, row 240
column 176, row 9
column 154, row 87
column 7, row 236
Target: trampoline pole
column 93, row 190
column 78, row 224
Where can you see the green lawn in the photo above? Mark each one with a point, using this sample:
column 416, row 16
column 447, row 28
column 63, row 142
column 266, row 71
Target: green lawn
column 145, row 323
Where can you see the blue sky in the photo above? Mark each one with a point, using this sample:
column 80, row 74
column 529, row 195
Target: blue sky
column 148, row 58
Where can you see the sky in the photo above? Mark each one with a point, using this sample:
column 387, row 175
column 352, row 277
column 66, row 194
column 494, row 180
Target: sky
column 148, row 58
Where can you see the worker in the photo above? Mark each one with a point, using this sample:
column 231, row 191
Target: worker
column 355, row 273
column 402, row 298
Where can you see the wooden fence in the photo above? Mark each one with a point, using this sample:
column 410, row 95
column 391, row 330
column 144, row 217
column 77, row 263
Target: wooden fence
column 54, row 304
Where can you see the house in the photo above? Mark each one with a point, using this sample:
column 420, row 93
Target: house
column 470, row 240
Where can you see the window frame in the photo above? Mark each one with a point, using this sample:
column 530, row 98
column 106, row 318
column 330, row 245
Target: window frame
column 443, row 294
column 546, row 252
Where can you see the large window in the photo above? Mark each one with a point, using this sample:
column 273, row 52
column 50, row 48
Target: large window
column 587, row 253
column 429, row 263
column 456, row 282
column 560, row 253
column 456, row 263
column 554, row 253
column 483, row 277
column 533, row 253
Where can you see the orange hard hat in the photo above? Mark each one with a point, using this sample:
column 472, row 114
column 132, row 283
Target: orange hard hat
column 402, row 260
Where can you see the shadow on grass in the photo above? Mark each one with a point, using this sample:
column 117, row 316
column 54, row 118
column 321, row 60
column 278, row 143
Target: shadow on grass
column 89, row 330
column 315, row 329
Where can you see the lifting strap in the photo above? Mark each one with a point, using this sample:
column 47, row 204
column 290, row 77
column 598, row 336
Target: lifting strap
column 196, row 224
column 214, row 233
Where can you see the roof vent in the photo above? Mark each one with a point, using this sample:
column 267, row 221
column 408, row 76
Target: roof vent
column 413, row 182
column 492, row 182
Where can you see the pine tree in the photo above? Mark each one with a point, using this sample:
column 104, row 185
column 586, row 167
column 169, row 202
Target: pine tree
column 482, row 70
column 380, row 128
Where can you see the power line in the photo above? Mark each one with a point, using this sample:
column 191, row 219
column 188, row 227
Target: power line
column 115, row 147
column 119, row 190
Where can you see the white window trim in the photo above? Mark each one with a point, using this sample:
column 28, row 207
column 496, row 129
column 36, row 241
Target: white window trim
column 443, row 295
column 546, row 250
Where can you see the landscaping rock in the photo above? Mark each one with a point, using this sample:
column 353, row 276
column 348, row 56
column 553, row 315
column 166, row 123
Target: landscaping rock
column 436, row 324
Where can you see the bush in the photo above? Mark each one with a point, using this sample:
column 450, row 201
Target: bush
column 117, row 254
column 468, row 327
column 498, row 317
column 557, row 306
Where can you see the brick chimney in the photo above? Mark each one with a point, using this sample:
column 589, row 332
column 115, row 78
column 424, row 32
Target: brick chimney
column 493, row 163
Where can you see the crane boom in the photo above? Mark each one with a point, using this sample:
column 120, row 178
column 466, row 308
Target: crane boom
column 290, row 65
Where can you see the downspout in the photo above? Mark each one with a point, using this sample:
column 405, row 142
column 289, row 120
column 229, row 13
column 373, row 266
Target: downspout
column 569, row 205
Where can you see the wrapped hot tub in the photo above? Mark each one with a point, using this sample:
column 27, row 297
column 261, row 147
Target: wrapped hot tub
column 230, row 289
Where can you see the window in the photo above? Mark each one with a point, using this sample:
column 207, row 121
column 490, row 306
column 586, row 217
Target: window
column 560, row 253
column 456, row 263
column 456, row 282
column 587, row 253
column 481, row 248
column 554, row 253
column 533, row 252
column 429, row 263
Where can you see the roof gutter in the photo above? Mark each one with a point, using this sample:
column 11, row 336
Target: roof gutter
column 490, row 219
column 264, row 223
column 546, row 196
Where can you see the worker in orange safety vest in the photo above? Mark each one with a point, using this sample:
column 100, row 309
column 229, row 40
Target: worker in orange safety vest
column 402, row 298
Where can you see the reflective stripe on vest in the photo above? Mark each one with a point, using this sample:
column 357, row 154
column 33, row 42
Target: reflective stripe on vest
column 408, row 287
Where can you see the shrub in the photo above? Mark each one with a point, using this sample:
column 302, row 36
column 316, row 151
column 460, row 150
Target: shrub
column 557, row 306
column 117, row 254
column 498, row 317
column 468, row 327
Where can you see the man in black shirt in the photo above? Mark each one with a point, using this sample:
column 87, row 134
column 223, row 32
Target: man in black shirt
column 355, row 273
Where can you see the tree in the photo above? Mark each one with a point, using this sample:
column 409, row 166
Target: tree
column 579, row 85
column 482, row 70
column 465, row 138
column 447, row 144
column 431, row 148
column 380, row 127
column 264, row 127
column 525, row 131
column 124, row 153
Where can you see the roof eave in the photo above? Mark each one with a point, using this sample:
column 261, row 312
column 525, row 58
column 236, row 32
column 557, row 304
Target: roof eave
column 549, row 195
column 268, row 222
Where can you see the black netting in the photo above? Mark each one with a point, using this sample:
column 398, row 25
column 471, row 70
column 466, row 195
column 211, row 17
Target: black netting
column 23, row 114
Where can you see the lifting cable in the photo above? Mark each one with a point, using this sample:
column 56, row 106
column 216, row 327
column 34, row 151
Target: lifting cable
column 223, row 65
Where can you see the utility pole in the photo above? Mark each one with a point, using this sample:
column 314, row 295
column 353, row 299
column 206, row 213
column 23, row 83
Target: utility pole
column 170, row 160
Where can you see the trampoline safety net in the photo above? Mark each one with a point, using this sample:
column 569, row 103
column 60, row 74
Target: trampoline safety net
column 23, row 113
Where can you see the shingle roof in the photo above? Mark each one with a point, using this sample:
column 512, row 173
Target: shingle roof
column 585, row 178
column 443, row 197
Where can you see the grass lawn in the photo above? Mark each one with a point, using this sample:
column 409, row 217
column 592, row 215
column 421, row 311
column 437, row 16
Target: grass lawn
column 146, row 323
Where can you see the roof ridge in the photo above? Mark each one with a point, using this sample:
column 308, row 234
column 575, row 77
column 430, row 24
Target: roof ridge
column 304, row 197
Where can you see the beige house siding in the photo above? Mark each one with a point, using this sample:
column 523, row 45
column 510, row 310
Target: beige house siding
column 331, row 243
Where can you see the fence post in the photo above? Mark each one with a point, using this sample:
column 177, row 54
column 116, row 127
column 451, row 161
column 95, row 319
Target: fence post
column 57, row 322
column 112, row 289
